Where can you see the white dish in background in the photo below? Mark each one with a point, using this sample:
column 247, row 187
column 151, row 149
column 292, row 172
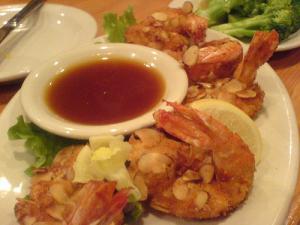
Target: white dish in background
column 275, row 176
column 51, row 30
column 293, row 41
column 34, row 86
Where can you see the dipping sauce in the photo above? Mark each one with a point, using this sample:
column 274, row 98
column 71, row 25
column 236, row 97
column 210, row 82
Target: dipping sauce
column 101, row 92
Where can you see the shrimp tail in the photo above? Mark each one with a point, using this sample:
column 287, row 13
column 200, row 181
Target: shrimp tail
column 166, row 120
column 119, row 201
column 97, row 203
column 262, row 47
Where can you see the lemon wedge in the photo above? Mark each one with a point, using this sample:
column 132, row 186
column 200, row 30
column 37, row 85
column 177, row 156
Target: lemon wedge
column 236, row 120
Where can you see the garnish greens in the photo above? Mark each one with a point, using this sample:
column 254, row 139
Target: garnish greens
column 41, row 144
column 115, row 26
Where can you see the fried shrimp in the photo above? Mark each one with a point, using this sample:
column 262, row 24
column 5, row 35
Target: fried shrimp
column 213, row 60
column 171, row 31
column 54, row 199
column 206, row 174
column 241, row 90
column 180, row 33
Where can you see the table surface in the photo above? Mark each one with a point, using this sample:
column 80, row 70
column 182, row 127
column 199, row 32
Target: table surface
column 286, row 64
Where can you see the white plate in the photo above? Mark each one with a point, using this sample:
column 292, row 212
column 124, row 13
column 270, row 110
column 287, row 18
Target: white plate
column 275, row 176
column 52, row 30
column 293, row 41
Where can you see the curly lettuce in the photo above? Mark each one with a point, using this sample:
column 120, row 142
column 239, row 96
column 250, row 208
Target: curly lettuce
column 41, row 144
column 115, row 26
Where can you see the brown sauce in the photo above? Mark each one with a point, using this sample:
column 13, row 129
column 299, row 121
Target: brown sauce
column 103, row 92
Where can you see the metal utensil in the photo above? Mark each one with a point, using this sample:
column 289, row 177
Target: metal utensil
column 16, row 19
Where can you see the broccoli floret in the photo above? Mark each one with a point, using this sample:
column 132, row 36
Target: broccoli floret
column 249, row 8
column 218, row 10
column 280, row 15
column 296, row 18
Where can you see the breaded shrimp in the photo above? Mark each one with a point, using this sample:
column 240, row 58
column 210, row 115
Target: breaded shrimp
column 54, row 199
column 206, row 174
column 171, row 30
column 213, row 60
column 241, row 90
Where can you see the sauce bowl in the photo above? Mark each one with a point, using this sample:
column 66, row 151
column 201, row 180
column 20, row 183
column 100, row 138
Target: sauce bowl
column 35, row 85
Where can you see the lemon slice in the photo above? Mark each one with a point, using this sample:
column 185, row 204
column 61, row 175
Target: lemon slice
column 236, row 120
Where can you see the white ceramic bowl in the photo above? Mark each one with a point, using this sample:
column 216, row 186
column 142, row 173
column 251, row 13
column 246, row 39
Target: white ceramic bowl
column 33, row 89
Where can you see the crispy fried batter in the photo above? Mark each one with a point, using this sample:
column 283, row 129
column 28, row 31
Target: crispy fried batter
column 171, row 31
column 241, row 90
column 206, row 176
column 54, row 199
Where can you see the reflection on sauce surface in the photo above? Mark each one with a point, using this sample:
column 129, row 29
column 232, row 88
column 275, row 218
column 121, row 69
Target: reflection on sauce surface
column 105, row 91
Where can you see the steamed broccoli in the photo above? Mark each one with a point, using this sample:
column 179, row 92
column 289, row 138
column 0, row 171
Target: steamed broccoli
column 218, row 10
column 281, row 15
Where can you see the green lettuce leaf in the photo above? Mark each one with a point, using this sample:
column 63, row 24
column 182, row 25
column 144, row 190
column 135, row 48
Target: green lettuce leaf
column 115, row 26
column 41, row 144
column 133, row 211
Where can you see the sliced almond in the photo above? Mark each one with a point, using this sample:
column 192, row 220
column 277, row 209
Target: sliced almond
column 191, row 175
column 147, row 137
column 160, row 16
column 154, row 162
column 221, row 82
column 159, row 206
column 206, row 85
column 59, row 193
column 234, row 86
column 180, row 190
column 226, row 96
column 207, row 173
column 246, row 94
column 187, row 7
column 190, row 56
column 202, row 93
column 201, row 199
column 56, row 211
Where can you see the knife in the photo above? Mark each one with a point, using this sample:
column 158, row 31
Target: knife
column 16, row 19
